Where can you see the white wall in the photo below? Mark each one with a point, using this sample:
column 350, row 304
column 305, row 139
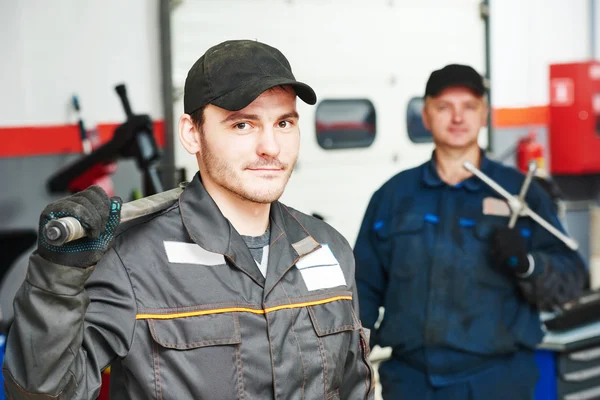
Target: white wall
column 51, row 49
column 527, row 36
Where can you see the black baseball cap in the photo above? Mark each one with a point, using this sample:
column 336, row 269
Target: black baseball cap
column 234, row 73
column 454, row 75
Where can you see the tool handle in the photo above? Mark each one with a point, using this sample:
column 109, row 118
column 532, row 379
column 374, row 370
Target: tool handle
column 570, row 242
column 60, row 231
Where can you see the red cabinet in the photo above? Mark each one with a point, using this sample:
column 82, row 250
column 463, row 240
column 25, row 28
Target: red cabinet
column 574, row 129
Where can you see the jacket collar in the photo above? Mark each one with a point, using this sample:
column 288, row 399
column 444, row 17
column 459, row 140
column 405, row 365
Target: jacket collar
column 431, row 178
column 290, row 241
column 209, row 228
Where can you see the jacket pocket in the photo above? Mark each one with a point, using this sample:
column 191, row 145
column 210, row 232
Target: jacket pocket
column 403, row 238
column 334, row 324
column 195, row 332
column 184, row 346
column 400, row 224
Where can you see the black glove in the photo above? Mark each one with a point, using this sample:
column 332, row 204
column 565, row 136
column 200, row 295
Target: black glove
column 97, row 213
column 508, row 250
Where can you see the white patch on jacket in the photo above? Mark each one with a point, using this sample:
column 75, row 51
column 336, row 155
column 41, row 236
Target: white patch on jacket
column 191, row 253
column 321, row 270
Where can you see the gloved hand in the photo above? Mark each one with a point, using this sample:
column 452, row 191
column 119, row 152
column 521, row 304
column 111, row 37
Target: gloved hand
column 508, row 250
column 97, row 213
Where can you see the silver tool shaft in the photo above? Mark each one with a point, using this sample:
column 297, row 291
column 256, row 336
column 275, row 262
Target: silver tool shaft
column 63, row 230
column 517, row 205
column 515, row 214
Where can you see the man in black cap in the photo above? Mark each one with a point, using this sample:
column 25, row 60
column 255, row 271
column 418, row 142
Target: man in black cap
column 226, row 294
column 461, row 291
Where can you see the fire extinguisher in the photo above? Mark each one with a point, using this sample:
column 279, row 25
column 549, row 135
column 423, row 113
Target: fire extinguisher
column 529, row 149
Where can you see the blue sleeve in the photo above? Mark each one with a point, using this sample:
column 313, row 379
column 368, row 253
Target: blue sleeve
column 559, row 273
column 371, row 277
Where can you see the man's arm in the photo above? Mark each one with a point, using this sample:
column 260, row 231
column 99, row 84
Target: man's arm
column 371, row 277
column 63, row 335
column 548, row 273
column 558, row 274
column 66, row 331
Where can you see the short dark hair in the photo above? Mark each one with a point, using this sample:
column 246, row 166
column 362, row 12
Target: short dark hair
column 198, row 118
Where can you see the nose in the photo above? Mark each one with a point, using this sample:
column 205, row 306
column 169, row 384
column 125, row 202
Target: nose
column 268, row 147
column 457, row 115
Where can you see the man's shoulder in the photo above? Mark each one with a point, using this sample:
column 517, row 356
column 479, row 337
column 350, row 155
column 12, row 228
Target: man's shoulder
column 405, row 177
column 147, row 226
column 509, row 177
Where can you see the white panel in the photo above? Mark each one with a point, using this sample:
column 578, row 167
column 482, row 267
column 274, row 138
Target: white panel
column 54, row 49
column 526, row 37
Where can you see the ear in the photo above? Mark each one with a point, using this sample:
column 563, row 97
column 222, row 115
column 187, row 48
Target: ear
column 188, row 134
column 425, row 116
column 484, row 114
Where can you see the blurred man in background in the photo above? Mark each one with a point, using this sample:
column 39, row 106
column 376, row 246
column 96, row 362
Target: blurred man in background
column 461, row 291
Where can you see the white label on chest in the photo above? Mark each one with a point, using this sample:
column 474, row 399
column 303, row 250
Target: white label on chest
column 321, row 270
column 191, row 253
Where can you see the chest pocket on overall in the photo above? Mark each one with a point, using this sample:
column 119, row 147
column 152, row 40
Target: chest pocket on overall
column 334, row 323
column 185, row 346
column 403, row 239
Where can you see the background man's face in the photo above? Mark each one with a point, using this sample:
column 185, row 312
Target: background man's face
column 455, row 117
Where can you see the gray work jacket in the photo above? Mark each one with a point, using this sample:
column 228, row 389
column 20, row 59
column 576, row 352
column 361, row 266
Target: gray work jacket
column 179, row 309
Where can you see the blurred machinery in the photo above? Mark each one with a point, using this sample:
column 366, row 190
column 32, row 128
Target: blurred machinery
column 133, row 139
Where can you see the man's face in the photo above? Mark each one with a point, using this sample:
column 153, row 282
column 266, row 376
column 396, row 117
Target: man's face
column 251, row 153
column 455, row 117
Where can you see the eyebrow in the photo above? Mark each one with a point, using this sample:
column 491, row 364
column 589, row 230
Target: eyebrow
column 237, row 116
column 253, row 117
column 293, row 114
column 446, row 102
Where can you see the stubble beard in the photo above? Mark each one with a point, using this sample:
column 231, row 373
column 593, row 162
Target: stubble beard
column 226, row 176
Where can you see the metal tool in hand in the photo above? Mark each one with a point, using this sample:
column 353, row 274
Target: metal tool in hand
column 518, row 206
column 63, row 230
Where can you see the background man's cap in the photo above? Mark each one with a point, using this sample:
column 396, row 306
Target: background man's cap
column 234, row 73
column 454, row 75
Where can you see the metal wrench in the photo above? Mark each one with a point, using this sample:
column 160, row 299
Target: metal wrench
column 62, row 230
column 519, row 207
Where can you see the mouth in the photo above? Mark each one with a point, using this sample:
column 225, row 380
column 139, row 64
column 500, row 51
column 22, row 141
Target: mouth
column 266, row 169
column 266, row 172
column 458, row 131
